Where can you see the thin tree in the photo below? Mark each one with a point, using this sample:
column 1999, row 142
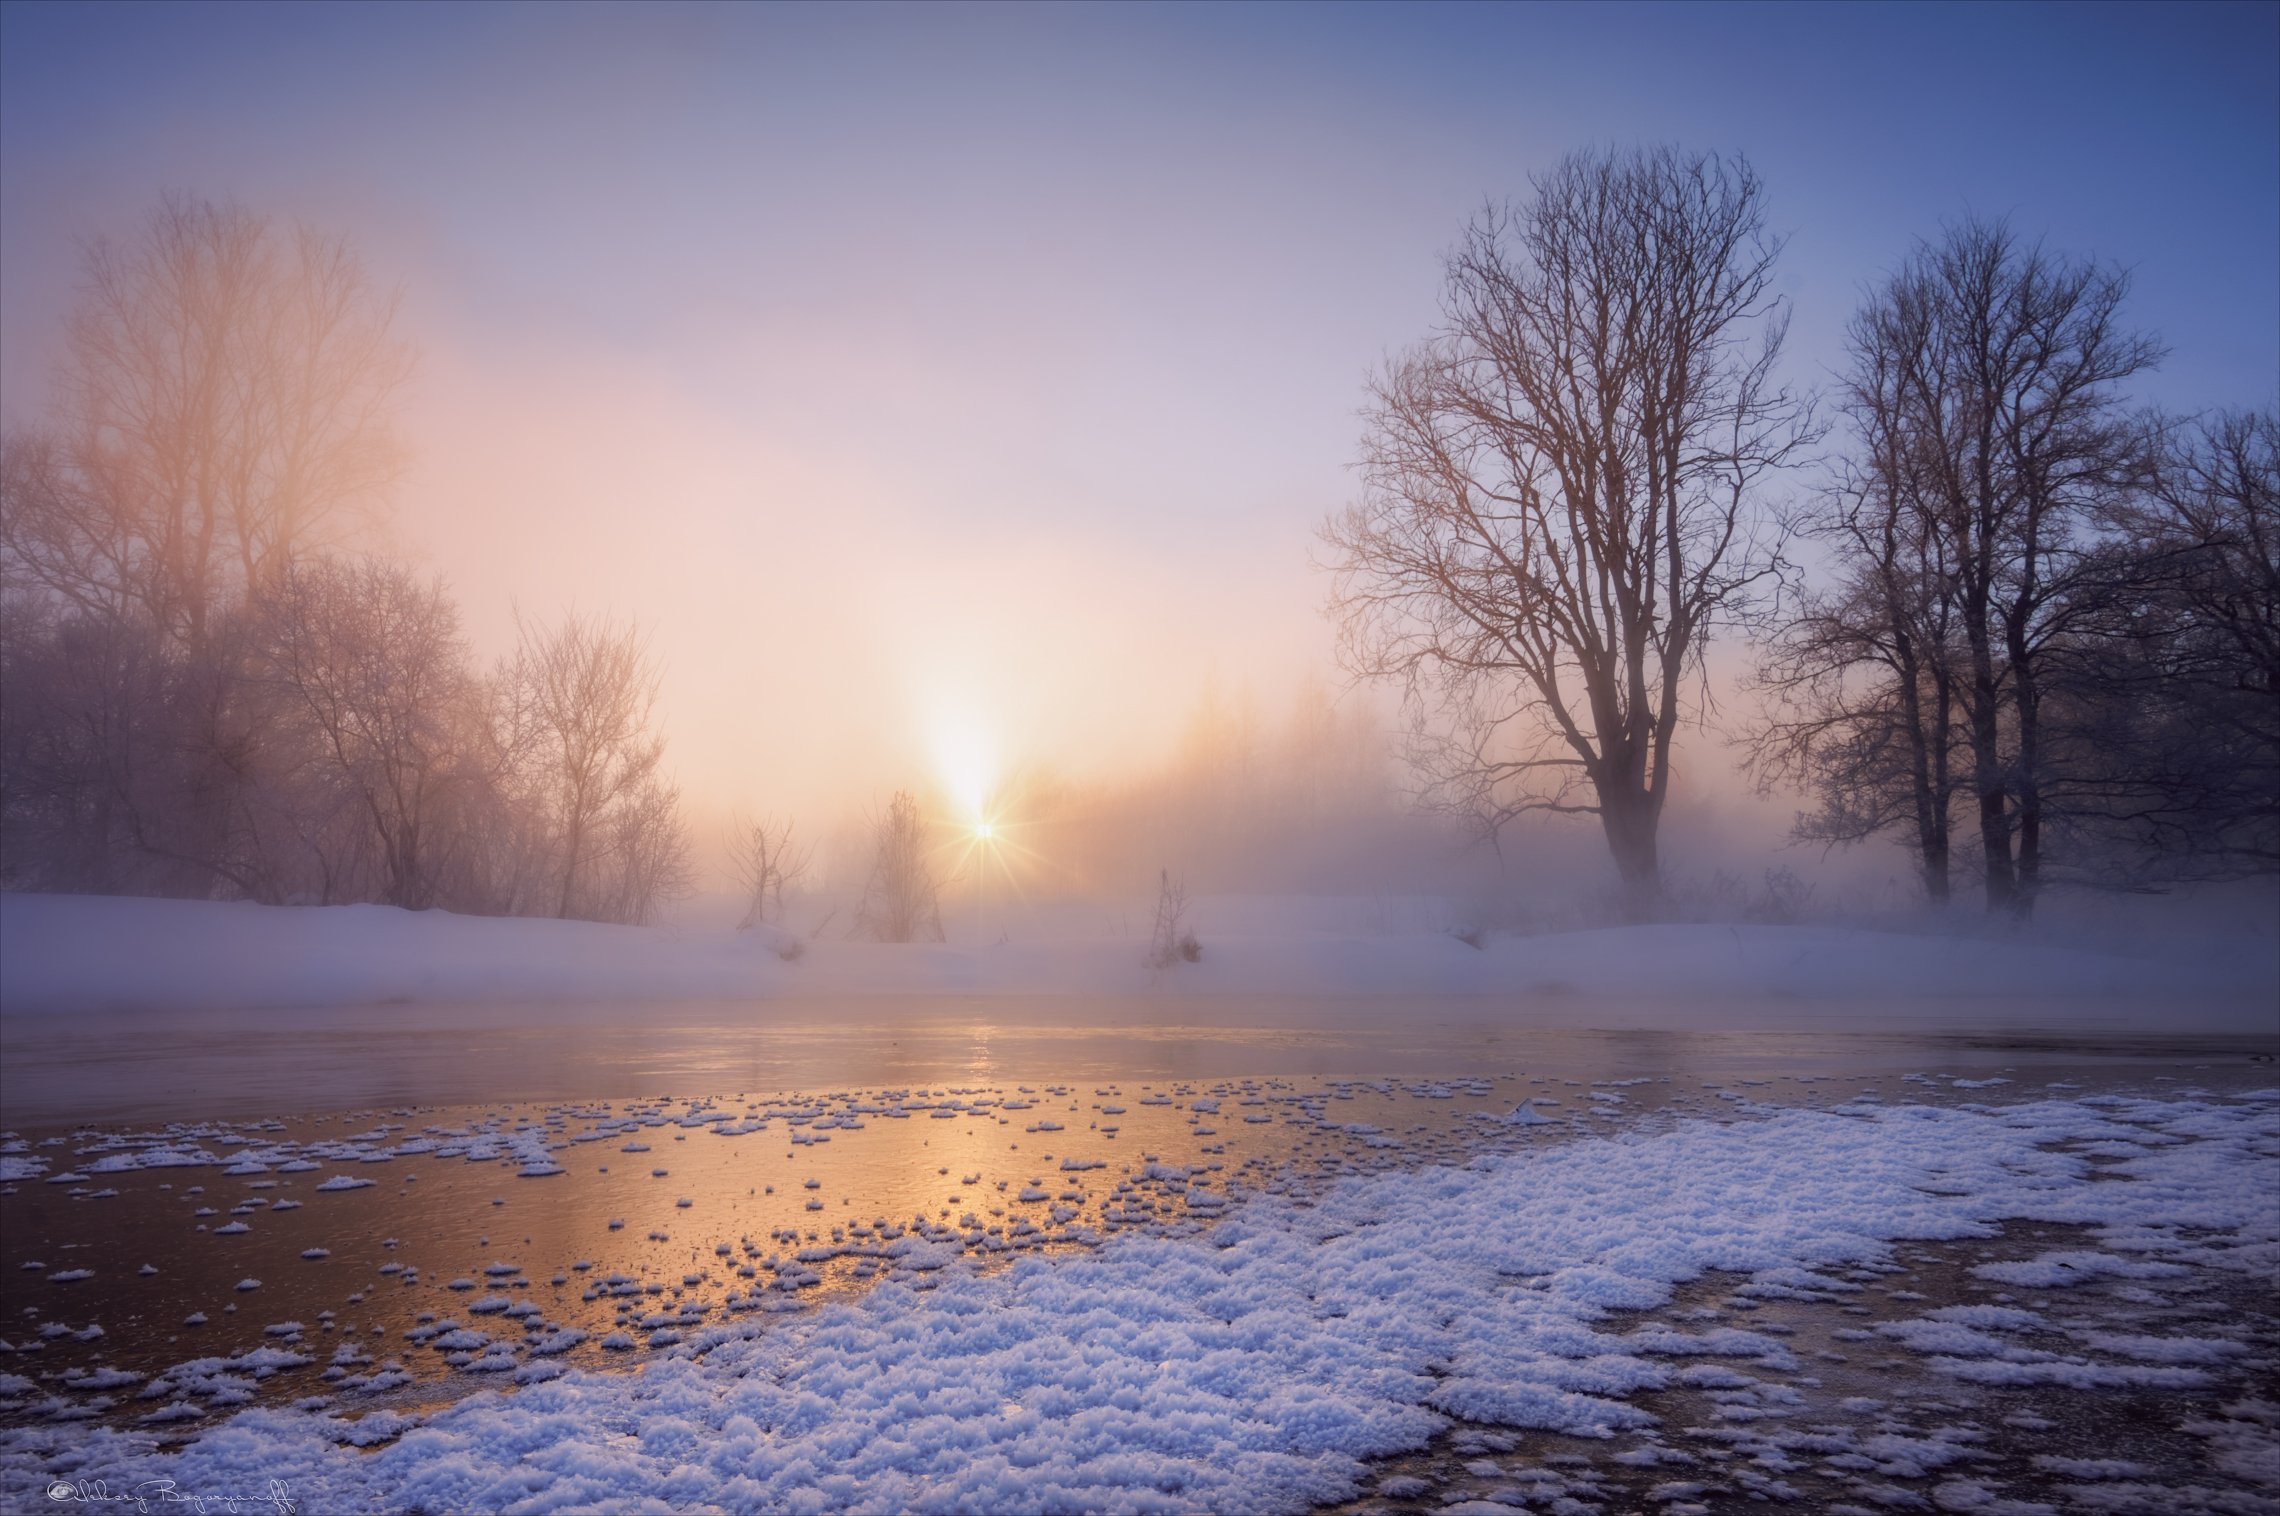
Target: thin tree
column 368, row 660
column 644, row 862
column 1561, row 489
column 900, row 902
column 1172, row 941
column 2219, row 492
column 768, row 860
column 1864, row 677
column 584, row 697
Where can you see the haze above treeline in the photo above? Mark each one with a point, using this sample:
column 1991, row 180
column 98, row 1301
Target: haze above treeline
column 976, row 441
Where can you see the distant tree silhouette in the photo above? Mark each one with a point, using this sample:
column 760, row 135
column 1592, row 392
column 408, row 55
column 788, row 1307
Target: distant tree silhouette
column 899, row 899
column 225, row 404
column 1172, row 941
column 225, row 407
column 2168, row 688
column 582, row 700
column 768, row 859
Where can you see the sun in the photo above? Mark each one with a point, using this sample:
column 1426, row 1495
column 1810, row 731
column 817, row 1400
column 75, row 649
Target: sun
column 966, row 760
column 984, row 830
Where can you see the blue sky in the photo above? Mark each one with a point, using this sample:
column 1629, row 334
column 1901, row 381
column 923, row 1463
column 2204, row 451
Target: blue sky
column 971, row 320
column 592, row 156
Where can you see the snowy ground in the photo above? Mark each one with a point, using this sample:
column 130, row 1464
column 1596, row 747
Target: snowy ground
column 1590, row 1315
column 76, row 953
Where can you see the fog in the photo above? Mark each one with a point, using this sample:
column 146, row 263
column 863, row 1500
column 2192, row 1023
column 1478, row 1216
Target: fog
column 837, row 620
column 871, row 757
column 955, row 403
column 827, row 622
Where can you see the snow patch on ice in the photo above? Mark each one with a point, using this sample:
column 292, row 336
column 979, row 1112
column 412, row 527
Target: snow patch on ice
column 1258, row 1366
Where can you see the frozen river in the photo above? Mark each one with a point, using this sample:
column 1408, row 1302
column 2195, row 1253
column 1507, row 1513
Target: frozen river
column 875, row 1250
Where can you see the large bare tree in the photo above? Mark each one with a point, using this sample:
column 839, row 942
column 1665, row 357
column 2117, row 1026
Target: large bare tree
column 2220, row 492
column 1561, row 488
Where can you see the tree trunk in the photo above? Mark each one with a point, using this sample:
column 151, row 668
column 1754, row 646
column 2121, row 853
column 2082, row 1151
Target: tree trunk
column 2027, row 695
column 570, row 870
column 1628, row 819
column 1987, row 779
column 1927, row 788
column 1938, row 835
column 1994, row 834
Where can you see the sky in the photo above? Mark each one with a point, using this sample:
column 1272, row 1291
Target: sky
column 948, row 380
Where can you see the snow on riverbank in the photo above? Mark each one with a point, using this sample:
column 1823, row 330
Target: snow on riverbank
column 65, row 953
column 1257, row 1367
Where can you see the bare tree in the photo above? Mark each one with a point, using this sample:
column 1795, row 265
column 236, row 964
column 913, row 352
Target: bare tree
column 1865, row 676
column 84, row 740
column 370, row 662
column 900, row 903
column 129, row 765
column 226, row 401
column 2220, row 492
column 583, row 698
column 768, row 859
column 1560, row 488
column 644, row 863
column 1172, row 941
column 1994, row 366
column 55, row 546
column 2167, row 691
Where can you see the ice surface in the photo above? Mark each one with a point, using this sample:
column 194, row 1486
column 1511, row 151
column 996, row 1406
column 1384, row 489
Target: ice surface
column 1258, row 1366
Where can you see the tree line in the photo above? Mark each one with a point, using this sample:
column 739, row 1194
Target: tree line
column 204, row 693
column 2049, row 648
column 2004, row 612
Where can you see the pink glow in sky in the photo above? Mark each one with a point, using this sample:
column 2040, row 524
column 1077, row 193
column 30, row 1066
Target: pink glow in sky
column 910, row 370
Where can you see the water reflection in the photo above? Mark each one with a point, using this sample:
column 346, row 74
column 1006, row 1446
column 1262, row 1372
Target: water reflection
column 375, row 1259
column 124, row 1065
column 385, row 1259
